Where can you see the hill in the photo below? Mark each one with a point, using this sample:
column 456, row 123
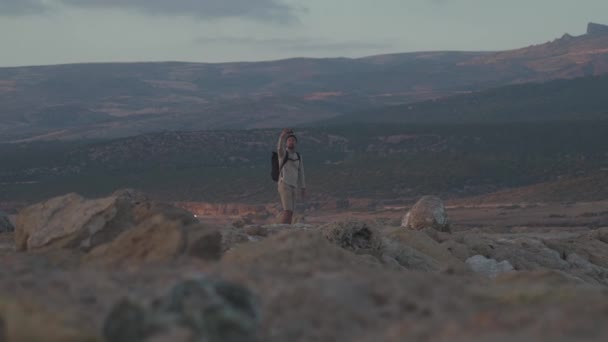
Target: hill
column 577, row 99
column 382, row 162
column 583, row 188
column 126, row 99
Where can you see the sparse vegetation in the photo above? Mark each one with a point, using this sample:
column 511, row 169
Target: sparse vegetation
column 356, row 161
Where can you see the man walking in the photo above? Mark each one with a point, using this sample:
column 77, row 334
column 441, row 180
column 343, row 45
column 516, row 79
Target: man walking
column 291, row 174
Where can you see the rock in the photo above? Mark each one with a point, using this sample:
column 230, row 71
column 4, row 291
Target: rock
column 126, row 322
column 586, row 256
column 159, row 239
column 218, row 310
column 577, row 261
column 458, row 250
column 423, row 243
column 437, row 235
column 408, row 257
column 597, row 29
column 356, row 236
column 600, row 234
column 488, row 267
column 232, row 237
column 243, row 221
column 293, row 251
column 30, row 321
column 428, row 212
column 588, row 246
column 5, row 224
column 203, row 242
column 299, row 219
column 73, row 222
column 524, row 253
column 156, row 239
column 194, row 310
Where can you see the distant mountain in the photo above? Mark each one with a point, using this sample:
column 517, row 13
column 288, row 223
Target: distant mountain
column 570, row 100
column 124, row 99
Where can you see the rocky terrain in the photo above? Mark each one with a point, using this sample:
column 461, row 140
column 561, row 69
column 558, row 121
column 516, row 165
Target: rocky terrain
column 127, row 268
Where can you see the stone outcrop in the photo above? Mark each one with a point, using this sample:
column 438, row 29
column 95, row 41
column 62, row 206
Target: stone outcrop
column 74, row 222
column 125, row 227
column 159, row 239
column 597, row 29
column 428, row 212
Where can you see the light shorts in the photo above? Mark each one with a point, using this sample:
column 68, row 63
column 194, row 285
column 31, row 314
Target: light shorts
column 288, row 196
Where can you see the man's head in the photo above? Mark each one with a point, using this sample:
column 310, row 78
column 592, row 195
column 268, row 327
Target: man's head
column 291, row 142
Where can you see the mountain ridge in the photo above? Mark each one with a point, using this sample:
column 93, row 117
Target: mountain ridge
column 125, row 99
column 559, row 100
column 596, row 29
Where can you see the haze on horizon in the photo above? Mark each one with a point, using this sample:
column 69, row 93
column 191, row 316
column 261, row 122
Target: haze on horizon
column 40, row 32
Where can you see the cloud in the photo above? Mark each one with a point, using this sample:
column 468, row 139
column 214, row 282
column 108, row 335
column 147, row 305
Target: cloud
column 273, row 10
column 297, row 44
column 15, row 8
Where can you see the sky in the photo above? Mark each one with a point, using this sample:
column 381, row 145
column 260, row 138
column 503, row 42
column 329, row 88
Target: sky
column 41, row 32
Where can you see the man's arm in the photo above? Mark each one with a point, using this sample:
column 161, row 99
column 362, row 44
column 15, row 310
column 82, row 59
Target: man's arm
column 301, row 177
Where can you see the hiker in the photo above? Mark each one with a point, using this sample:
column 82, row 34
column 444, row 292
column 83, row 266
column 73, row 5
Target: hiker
column 290, row 174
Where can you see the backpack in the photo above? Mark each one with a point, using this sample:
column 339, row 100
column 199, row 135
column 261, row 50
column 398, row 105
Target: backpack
column 276, row 169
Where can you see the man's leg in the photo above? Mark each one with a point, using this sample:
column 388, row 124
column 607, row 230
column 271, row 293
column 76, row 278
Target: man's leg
column 287, row 217
column 287, row 195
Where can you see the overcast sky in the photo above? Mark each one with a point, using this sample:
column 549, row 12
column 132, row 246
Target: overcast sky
column 34, row 32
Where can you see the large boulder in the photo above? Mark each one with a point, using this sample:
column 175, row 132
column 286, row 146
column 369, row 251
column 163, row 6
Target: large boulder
column 73, row 222
column 428, row 212
column 156, row 239
column 5, row 224
column 193, row 310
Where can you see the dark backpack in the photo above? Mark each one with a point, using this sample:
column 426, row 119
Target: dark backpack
column 276, row 169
